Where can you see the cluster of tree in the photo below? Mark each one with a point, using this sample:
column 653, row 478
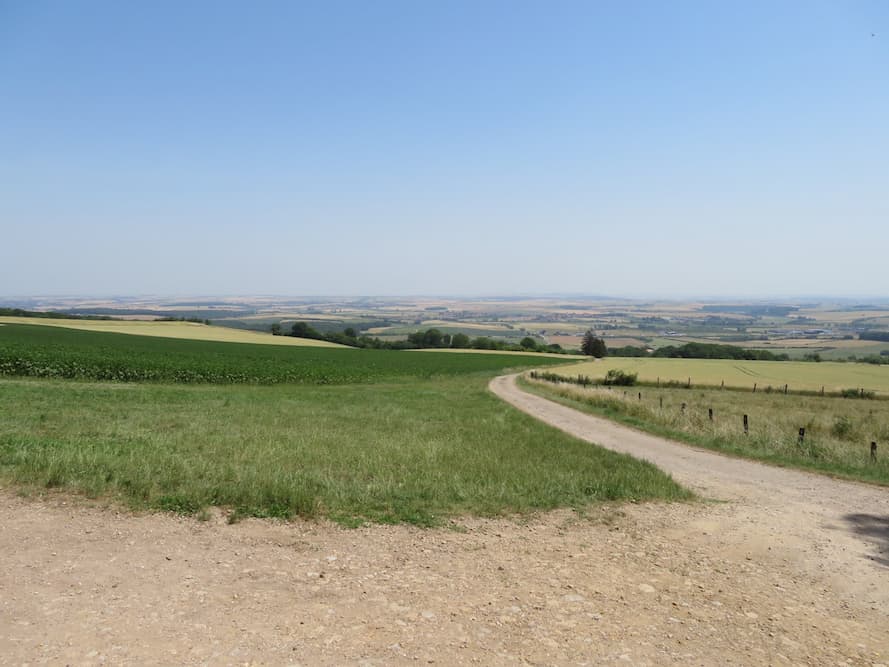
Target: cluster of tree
column 592, row 345
column 881, row 336
column 628, row 351
column 716, row 351
column 305, row 330
column 881, row 359
column 196, row 320
column 424, row 339
column 19, row 312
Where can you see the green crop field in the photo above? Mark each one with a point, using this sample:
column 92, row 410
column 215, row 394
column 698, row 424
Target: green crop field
column 178, row 330
column 37, row 351
column 838, row 431
column 800, row 376
column 353, row 435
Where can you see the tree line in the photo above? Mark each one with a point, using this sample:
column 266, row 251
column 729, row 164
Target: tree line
column 591, row 345
column 880, row 336
column 594, row 346
column 419, row 340
column 50, row 314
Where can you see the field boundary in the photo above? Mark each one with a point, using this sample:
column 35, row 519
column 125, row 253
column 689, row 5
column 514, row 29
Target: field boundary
column 587, row 381
column 804, row 378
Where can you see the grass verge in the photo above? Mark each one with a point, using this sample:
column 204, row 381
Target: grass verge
column 414, row 450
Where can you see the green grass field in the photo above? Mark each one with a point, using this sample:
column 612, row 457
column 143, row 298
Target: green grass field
column 354, row 435
column 838, row 431
column 800, row 376
column 177, row 330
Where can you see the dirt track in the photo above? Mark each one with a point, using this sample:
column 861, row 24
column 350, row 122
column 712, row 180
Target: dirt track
column 834, row 528
column 787, row 572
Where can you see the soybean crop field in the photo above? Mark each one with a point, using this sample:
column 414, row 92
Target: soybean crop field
column 837, row 438
column 351, row 435
column 36, row 351
column 798, row 375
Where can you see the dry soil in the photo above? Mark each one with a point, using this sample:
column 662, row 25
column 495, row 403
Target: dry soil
column 775, row 567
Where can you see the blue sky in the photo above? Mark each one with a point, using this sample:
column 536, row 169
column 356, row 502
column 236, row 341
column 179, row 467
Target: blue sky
column 622, row 148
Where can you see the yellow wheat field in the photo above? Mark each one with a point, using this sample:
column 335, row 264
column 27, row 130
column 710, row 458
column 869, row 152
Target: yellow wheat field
column 186, row 330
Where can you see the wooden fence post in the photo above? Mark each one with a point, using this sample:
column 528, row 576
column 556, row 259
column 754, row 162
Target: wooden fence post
column 746, row 425
column 710, row 413
column 754, row 387
column 873, row 452
column 802, row 435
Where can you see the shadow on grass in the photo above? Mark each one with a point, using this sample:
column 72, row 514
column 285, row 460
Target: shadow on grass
column 875, row 530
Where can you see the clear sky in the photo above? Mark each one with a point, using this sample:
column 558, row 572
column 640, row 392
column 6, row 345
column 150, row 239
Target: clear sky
column 477, row 148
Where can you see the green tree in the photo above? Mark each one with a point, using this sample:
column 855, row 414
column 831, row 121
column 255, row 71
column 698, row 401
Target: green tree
column 592, row 345
column 460, row 340
column 528, row 343
column 276, row 329
column 432, row 338
column 303, row 330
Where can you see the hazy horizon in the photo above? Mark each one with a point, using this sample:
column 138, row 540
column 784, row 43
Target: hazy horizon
column 734, row 150
column 5, row 300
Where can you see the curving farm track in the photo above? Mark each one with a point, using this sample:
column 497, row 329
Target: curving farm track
column 834, row 529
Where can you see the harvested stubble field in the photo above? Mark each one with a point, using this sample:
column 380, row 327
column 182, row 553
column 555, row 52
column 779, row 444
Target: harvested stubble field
column 799, row 375
column 838, row 431
column 353, row 435
column 177, row 330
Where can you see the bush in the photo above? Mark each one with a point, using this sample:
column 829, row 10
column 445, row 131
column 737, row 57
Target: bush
column 620, row 378
column 854, row 392
column 842, row 427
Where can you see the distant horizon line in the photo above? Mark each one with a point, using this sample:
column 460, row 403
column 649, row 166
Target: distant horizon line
column 455, row 296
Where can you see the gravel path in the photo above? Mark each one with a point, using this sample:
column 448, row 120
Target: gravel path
column 778, row 575
column 835, row 529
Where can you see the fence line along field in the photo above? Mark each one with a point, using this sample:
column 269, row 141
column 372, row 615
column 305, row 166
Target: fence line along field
column 798, row 375
column 353, row 435
column 837, row 435
column 179, row 330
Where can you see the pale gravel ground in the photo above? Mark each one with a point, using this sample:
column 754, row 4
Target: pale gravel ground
column 777, row 575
